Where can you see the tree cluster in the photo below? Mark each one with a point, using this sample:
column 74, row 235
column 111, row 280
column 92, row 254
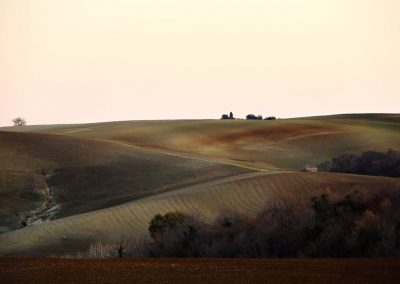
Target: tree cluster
column 254, row 117
column 225, row 116
column 366, row 163
column 352, row 225
column 259, row 117
column 248, row 117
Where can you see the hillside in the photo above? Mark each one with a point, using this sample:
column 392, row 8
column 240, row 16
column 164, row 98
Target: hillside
column 246, row 193
column 75, row 175
column 281, row 144
column 82, row 183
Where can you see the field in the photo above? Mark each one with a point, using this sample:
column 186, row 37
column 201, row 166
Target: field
column 247, row 193
column 281, row 144
column 48, row 270
column 82, row 170
column 78, row 184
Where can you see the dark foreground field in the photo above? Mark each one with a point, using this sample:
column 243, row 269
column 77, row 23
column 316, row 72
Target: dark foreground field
column 55, row 270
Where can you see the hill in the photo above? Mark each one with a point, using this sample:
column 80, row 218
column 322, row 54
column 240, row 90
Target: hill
column 69, row 175
column 76, row 184
column 246, row 193
column 288, row 144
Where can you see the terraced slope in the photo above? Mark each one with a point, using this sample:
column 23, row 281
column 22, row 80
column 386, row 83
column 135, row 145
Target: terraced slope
column 280, row 144
column 71, row 175
column 246, row 193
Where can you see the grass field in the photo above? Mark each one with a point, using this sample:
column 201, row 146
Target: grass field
column 50, row 270
column 105, row 180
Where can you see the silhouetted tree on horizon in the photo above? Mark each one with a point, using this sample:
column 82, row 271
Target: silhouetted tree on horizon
column 225, row 116
column 19, row 121
column 253, row 117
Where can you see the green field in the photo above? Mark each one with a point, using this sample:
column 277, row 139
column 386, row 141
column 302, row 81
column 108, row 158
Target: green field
column 99, row 181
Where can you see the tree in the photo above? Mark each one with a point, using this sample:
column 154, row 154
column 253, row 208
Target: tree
column 253, row 117
column 122, row 247
column 161, row 223
column 230, row 116
column 224, row 116
column 19, row 121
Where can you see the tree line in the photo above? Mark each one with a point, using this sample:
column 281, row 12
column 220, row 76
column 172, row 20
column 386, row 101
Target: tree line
column 248, row 117
column 352, row 225
column 367, row 163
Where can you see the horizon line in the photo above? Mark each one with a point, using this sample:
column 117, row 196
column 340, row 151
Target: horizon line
column 183, row 119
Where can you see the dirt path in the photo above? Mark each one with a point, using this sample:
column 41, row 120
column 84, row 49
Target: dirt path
column 209, row 160
column 169, row 153
column 56, row 270
column 75, row 130
column 187, row 156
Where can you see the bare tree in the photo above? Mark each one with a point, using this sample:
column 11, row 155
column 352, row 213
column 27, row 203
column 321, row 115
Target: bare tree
column 120, row 249
column 19, row 121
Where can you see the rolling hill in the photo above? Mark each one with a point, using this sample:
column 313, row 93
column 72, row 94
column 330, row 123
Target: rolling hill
column 77, row 175
column 287, row 144
column 247, row 193
column 87, row 182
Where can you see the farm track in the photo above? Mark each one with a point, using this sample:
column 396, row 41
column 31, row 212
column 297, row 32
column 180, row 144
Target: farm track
column 174, row 154
column 169, row 153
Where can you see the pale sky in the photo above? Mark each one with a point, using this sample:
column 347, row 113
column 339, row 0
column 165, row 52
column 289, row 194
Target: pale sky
column 64, row 61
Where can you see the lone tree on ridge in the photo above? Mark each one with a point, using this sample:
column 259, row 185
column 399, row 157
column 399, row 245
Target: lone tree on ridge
column 19, row 121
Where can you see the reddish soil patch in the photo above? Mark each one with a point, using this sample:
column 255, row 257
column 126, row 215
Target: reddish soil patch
column 56, row 270
column 270, row 133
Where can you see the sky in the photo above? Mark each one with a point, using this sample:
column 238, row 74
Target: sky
column 73, row 61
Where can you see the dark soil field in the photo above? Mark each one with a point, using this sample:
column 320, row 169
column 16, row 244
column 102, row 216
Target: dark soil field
column 56, row 270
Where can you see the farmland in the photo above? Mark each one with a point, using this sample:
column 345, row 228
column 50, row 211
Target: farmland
column 50, row 270
column 102, row 181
